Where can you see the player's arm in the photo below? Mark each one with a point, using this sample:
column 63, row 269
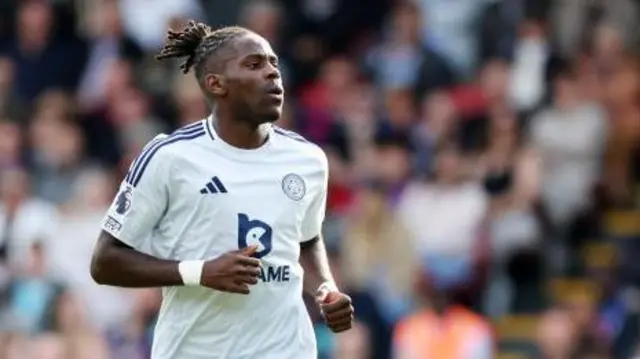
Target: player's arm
column 315, row 262
column 119, row 258
column 139, row 206
column 318, row 280
column 118, row 264
column 313, row 254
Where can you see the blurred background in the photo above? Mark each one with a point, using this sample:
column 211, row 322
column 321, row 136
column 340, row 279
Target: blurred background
column 484, row 155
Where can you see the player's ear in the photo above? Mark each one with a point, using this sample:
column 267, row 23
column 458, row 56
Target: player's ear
column 216, row 84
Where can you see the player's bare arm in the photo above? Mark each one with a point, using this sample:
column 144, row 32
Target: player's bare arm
column 314, row 261
column 335, row 306
column 117, row 264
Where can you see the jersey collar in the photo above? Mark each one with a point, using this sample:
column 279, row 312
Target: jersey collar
column 232, row 150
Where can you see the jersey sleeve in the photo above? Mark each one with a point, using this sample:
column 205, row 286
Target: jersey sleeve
column 314, row 216
column 142, row 198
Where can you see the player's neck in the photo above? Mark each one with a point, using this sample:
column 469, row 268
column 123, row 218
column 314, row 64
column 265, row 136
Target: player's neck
column 240, row 134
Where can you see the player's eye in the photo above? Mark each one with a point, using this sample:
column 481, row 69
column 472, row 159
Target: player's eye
column 254, row 65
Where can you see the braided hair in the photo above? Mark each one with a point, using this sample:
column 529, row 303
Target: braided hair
column 196, row 42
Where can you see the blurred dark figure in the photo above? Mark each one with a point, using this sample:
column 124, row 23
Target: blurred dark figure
column 11, row 143
column 319, row 29
column 444, row 218
column 478, row 100
column 510, row 172
column 397, row 123
column 122, row 100
column 442, row 328
column 33, row 293
column 438, row 121
column 133, row 340
column 107, row 44
column 57, row 152
column 616, row 324
column 7, row 19
column 570, row 136
column 392, row 168
column 378, row 257
column 10, row 105
column 498, row 28
column 322, row 103
column 622, row 156
column 24, row 219
column 42, row 61
column 353, row 139
column 402, row 61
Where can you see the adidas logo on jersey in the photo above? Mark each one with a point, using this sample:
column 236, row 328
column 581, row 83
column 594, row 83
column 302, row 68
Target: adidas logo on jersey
column 214, row 186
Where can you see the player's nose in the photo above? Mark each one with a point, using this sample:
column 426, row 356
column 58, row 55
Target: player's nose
column 272, row 72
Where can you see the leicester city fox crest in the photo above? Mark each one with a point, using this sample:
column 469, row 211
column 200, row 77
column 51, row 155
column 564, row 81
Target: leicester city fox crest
column 294, row 187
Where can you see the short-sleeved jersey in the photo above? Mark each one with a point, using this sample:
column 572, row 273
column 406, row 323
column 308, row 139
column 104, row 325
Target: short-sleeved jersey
column 190, row 195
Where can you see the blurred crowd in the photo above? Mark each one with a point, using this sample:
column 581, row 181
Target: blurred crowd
column 484, row 159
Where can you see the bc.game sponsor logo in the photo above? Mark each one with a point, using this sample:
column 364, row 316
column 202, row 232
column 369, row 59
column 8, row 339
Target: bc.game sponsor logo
column 275, row 274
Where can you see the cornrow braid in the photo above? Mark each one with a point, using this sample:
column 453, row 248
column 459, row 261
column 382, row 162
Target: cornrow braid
column 196, row 42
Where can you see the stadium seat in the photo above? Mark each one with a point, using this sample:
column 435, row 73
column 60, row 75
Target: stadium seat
column 599, row 255
column 622, row 223
column 517, row 327
column 517, row 336
column 563, row 289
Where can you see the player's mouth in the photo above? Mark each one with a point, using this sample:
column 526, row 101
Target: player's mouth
column 276, row 93
column 276, row 99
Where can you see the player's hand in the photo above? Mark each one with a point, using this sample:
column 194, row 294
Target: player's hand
column 232, row 272
column 336, row 309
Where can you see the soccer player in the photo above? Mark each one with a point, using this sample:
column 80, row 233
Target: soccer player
column 225, row 215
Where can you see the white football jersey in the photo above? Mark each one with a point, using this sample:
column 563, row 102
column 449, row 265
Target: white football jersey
column 190, row 195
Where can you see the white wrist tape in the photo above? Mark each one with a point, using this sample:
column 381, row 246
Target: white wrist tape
column 328, row 286
column 191, row 272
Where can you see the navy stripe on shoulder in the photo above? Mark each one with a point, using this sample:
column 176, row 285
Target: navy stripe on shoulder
column 143, row 160
column 135, row 169
column 136, row 161
column 190, row 126
column 292, row 135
